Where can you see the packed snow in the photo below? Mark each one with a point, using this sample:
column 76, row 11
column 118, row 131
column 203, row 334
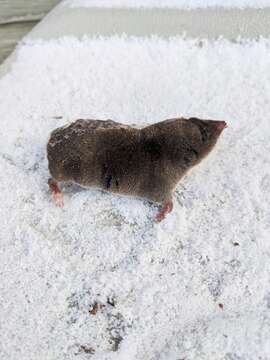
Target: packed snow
column 182, row 4
column 99, row 279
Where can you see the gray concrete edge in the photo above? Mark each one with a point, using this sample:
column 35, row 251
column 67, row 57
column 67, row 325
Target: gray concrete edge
column 208, row 23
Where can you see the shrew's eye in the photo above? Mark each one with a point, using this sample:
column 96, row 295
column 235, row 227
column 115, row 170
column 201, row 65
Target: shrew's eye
column 204, row 133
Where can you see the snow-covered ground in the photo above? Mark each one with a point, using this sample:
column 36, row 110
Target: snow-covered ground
column 181, row 4
column 100, row 275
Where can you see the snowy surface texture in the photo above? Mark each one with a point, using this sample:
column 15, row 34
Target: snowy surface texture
column 99, row 279
column 182, row 4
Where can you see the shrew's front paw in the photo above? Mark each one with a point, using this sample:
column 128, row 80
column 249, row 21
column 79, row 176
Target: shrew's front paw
column 166, row 209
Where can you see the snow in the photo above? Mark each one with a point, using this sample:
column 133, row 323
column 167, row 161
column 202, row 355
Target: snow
column 181, row 4
column 162, row 285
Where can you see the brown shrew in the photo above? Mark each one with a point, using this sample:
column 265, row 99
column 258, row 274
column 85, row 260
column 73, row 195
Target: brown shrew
column 146, row 162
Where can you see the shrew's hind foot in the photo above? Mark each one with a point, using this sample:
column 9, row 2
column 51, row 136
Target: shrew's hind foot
column 57, row 194
column 166, row 209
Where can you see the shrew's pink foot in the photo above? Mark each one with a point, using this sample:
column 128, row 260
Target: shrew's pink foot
column 166, row 209
column 58, row 199
column 58, row 196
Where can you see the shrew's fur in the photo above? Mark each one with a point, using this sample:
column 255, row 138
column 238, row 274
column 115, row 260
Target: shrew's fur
column 147, row 162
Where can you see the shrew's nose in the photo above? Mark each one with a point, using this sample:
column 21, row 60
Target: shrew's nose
column 221, row 125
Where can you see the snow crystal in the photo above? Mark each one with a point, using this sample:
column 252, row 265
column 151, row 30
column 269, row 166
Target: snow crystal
column 98, row 279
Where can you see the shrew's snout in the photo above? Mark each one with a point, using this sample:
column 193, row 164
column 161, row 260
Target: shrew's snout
column 220, row 125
